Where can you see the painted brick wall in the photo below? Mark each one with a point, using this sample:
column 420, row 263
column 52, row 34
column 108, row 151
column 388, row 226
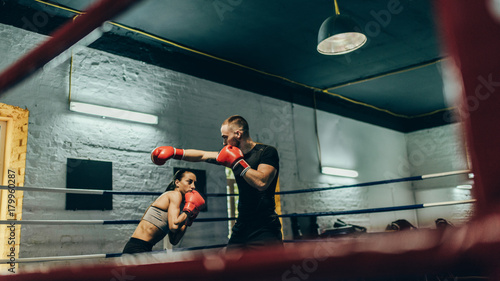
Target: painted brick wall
column 376, row 153
column 437, row 150
column 57, row 134
column 190, row 111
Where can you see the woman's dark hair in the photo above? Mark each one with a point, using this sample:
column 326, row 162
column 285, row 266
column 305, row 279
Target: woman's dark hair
column 177, row 176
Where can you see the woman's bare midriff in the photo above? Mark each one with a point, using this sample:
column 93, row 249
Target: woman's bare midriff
column 147, row 231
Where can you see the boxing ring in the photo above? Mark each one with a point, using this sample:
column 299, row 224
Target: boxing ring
column 473, row 247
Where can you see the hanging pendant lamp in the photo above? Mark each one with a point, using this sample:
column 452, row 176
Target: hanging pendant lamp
column 339, row 35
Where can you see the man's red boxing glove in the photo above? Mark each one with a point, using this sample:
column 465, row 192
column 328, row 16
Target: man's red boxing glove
column 232, row 157
column 194, row 202
column 161, row 154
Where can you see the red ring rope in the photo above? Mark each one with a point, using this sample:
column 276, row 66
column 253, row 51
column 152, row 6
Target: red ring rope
column 62, row 39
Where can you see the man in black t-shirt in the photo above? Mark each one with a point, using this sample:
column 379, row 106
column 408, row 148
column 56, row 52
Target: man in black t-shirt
column 256, row 168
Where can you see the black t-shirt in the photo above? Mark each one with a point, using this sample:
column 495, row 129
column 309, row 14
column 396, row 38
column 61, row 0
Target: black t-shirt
column 253, row 203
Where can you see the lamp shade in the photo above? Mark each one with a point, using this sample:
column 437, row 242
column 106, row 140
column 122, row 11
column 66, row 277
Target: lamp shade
column 338, row 35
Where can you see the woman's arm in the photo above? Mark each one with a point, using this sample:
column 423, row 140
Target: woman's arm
column 176, row 219
column 175, row 237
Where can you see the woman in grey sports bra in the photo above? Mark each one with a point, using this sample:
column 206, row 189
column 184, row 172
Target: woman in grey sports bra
column 163, row 217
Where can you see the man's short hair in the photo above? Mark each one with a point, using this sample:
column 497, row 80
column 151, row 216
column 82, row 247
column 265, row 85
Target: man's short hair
column 239, row 122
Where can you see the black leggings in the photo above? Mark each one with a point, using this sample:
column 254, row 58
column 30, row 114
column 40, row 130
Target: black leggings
column 135, row 246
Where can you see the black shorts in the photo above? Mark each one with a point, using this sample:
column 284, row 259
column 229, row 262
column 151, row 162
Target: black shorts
column 135, row 246
column 255, row 234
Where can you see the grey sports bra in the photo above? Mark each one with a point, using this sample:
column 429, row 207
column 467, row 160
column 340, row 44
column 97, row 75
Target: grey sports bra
column 158, row 217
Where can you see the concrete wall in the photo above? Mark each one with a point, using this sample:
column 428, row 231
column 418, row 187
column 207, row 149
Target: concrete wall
column 190, row 111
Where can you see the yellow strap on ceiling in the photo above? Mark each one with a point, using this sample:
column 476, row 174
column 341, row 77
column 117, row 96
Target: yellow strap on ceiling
column 326, row 91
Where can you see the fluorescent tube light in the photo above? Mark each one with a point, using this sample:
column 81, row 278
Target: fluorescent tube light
column 464, row 186
column 110, row 112
column 339, row 172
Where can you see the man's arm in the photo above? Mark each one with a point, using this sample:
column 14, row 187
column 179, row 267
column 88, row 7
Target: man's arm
column 232, row 157
column 260, row 178
column 194, row 155
column 161, row 154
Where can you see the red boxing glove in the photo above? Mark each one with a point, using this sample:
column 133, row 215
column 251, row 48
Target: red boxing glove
column 232, row 157
column 191, row 217
column 193, row 204
column 161, row 154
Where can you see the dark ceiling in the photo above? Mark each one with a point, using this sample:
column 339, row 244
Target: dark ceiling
column 269, row 47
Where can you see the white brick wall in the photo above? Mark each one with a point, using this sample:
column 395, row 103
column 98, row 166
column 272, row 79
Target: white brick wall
column 190, row 112
column 56, row 134
column 373, row 151
column 437, row 150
